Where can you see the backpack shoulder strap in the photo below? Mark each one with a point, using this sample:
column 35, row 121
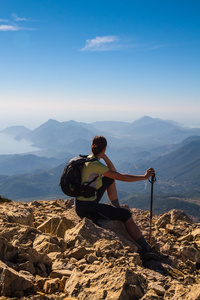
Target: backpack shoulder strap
column 87, row 159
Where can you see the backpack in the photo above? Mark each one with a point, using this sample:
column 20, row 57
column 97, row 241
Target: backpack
column 70, row 181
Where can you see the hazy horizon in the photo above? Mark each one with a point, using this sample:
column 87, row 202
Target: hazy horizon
column 9, row 145
column 33, row 125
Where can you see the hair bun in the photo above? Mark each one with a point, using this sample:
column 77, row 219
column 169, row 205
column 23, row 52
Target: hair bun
column 98, row 144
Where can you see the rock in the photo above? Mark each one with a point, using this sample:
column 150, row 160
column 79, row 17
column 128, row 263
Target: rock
column 27, row 266
column 187, row 238
column 33, row 255
column 17, row 213
column 118, row 228
column 194, row 293
column 91, row 258
column 51, row 286
column 56, row 226
column 151, row 295
column 64, row 225
column 61, row 264
column 179, row 291
column 13, row 282
column 173, row 216
column 163, row 220
column 7, row 251
column 40, row 281
column 55, row 255
column 191, row 253
column 87, row 232
column 28, row 275
column 77, row 252
column 114, row 283
column 46, row 247
column 50, row 225
column 179, row 215
column 60, row 273
column 69, row 203
column 171, row 228
column 47, row 244
column 196, row 234
column 69, row 258
column 159, row 290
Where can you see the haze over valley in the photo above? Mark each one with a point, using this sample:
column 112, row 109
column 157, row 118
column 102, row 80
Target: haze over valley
column 33, row 169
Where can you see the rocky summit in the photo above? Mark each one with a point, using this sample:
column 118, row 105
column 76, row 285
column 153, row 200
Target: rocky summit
column 47, row 252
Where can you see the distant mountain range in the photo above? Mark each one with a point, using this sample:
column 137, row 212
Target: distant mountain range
column 173, row 150
column 25, row 164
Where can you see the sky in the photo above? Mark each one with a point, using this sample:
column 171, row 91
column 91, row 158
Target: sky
column 97, row 60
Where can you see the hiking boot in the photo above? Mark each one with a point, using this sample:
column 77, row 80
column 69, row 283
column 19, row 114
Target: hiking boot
column 153, row 254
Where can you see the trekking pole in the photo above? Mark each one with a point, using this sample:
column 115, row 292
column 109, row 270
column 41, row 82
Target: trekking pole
column 152, row 180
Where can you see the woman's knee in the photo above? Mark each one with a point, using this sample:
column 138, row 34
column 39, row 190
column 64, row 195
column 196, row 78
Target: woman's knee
column 107, row 181
column 122, row 214
column 126, row 215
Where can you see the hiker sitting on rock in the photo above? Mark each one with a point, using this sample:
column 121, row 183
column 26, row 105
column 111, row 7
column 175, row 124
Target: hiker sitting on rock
column 105, row 181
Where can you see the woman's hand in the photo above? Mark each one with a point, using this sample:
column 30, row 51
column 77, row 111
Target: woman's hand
column 150, row 172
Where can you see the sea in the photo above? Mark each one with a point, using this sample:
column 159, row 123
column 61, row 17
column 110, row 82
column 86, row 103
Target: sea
column 9, row 145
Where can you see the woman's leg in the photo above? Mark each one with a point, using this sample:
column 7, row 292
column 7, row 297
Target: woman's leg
column 112, row 192
column 134, row 231
column 108, row 185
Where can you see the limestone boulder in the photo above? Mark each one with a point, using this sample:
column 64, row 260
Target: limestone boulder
column 163, row 220
column 191, row 253
column 196, row 234
column 51, row 286
column 78, row 252
column 87, row 233
column 194, row 293
column 179, row 215
column 27, row 266
column 56, row 225
column 40, row 262
column 119, row 230
column 17, row 213
column 60, row 273
column 108, row 283
column 13, row 283
column 46, row 244
column 179, row 291
column 7, row 251
column 173, row 217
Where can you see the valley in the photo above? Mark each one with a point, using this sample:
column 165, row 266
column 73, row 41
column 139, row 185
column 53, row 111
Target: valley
column 173, row 150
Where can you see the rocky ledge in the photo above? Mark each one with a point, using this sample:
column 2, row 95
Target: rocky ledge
column 47, row 252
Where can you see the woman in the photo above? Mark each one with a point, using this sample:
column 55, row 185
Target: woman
column 105, row 176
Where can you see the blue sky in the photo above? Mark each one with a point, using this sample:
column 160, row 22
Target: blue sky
column 91, row 60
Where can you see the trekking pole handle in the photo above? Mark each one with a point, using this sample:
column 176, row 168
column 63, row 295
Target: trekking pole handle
column 153, row 179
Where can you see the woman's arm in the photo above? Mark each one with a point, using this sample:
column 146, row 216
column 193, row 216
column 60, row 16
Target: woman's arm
column 108, row 162
column 112, row 173
column 129, row 178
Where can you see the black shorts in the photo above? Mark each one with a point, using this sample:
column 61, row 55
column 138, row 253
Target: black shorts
column 95, row 210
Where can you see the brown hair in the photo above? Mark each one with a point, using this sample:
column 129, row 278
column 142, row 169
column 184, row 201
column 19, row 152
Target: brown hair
column 98, row 144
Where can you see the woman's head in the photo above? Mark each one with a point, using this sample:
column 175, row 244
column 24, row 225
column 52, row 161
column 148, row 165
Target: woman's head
column 99, row 143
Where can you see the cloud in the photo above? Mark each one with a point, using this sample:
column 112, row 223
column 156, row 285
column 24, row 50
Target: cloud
column 9, row 28
column 103, row 43
column 13, row 25
column 121, row 43
column 17, row 19
column 3, row 20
